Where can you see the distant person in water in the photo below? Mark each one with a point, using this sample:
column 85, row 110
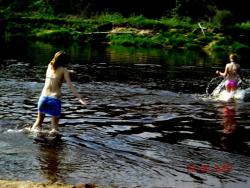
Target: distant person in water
column 232, row 73
column 49, row 101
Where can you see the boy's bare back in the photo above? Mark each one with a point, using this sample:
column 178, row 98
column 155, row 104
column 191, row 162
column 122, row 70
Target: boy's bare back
column 53, row 82
column 232, row 70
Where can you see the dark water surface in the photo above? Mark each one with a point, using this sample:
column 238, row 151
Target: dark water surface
column 148, row 122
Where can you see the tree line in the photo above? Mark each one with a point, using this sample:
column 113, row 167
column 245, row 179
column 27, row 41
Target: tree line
column 195, row 9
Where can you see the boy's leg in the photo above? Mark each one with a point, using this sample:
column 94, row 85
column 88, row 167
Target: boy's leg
column 39, row 121
column 231, row 89
column 54, row 124
column 228, row 89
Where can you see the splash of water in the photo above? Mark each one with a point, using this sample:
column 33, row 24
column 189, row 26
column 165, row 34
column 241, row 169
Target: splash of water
column 216, row 88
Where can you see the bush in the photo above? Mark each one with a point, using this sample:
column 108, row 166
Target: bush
column 177, row 23
column 222, row 18
column 239, row 47
column 41, row 7
column 245, row 25
column 142, row 22
column 109, row 18
column 177, row 40
column 58, row 36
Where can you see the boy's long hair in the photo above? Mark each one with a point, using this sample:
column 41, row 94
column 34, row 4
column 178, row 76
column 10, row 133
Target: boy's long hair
column 233, row 57
column 60, row 59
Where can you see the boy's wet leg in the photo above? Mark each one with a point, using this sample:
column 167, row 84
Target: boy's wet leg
column 39, row 120
column 54, row 125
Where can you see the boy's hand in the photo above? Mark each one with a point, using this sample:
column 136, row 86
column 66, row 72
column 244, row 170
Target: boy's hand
column 82, row 102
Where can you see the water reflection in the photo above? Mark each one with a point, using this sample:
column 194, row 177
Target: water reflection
column 233, row 135
column 50, row 158
column 39, row 53
column 229, row 119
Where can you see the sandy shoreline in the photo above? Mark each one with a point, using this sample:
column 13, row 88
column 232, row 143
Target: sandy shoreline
column 29, row 184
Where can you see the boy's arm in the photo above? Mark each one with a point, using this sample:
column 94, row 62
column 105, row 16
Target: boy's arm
column 223, row 73
column 72, row 87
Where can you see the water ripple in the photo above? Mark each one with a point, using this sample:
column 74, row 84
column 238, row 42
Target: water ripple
column 126, row 136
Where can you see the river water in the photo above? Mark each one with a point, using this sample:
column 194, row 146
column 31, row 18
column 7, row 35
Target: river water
column 148, row 121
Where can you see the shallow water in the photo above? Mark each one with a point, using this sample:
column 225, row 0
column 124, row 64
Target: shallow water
column 132, row 133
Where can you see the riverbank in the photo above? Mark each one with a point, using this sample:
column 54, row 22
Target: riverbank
column 29, row 184
column 136, row 31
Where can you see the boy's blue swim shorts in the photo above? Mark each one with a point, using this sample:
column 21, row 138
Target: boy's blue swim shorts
column 49, row 105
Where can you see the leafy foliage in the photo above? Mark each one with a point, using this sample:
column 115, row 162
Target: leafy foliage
column 151, row 9
column 223, row 18
column 174, row 25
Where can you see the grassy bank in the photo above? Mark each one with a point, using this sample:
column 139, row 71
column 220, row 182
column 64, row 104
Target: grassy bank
column 138, row 31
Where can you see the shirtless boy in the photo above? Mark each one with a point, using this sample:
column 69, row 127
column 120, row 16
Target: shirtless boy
column 231, row 73
column 49, row 101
